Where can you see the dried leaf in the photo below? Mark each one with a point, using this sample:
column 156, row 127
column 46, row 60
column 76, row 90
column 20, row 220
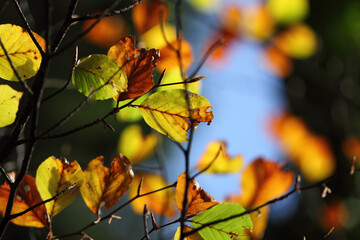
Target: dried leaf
column 161, row 203
column 134, row 145
column 52, row 177
column 138, row 65
column 168, row 112
column 23, row 52
column 9, row 104
column 103, row 185
column 26, row 196
column 220, row 161
column 149, row 14
column 197, row 199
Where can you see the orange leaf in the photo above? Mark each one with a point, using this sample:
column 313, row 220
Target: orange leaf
column 107, row 32
column 148, row 14
column 220, row 161
column 276, row 62
column 138, row 65
column 103, row 185
column 161, row 203
column 169, row 59
column 26, row 196
column 262, row 181
column 197, row 199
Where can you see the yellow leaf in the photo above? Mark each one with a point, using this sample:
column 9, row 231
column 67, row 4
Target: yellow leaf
column 285, row 11
column 103, row 185
column 23, row 52
column 26, row 196
column 262, row 181
column 154, row 38
column 258, row 23
column 52, row 177
column 297, row 41
column 134, row 145
column 197, row 199
column 161, row 203
column 174, row 76
column 9, row 104
column 194, row 236
column 220, row 161
column 168, row 112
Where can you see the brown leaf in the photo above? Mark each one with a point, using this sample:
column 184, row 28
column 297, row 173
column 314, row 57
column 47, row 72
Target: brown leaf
column 103, row 185
column 148, row 14
column 26, row 196
column 197, row 199
column 138, row 65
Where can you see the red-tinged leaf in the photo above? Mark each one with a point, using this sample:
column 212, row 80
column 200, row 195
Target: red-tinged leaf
column 197, row 199
column 138, row 65
column 26, row 196
column 105, row 186
column 148, row 14
column 52, row 177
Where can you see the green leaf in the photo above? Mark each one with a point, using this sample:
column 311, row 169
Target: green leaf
column 100, row 73
column 9, row 104
column 168, row 112
column 224, row 230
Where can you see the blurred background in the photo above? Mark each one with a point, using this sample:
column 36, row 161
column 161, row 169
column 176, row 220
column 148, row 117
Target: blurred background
column 283, row 86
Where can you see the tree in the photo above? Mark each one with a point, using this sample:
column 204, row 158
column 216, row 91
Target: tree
column 158, row 83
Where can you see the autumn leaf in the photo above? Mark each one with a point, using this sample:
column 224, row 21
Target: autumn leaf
column 107, row 32
column 194, row 236
column 138, row 65
column 103, row 185
column 197, row 199
column 262, row 181
column 168, row 112
column 26, row 196
column 169, row 58
column 9, row 104
column 101, row 73
column 52, row 177
column 161, row 203
column 258, row 23
column 286, row 12
column 23, row 52
column 351, row 148
column 219, row 161
column 224, row 230
column 276, row 62
column 134, row 145
column 154, row 37
column 129, row 114
column 149, row 14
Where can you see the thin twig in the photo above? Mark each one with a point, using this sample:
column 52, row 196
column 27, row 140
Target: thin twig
column 145, row 217
column 7, row 178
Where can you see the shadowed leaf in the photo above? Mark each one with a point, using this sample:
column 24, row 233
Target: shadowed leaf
column 9, row 104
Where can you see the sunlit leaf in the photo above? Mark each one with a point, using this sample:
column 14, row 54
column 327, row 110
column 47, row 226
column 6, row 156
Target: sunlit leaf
column 297, row 41
column 285, row 11
column 26, row 196
column 154, row 37
column 220, row 161
column 138, row 65
column 9, row 104
column 23, row 52
column 194, row 236
column 107, row 32
column 310, row 153
column 134, row 145
column 260, row 222
column 168, row 112
column 262, row 181
column 103, row 185
column 225, row 230
column 52, row 177
column 149, row 14
column 169, row 58
column 197, row 199
column 101, row 73
column 174, row 76
column 161, row 203
column 258, row 23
